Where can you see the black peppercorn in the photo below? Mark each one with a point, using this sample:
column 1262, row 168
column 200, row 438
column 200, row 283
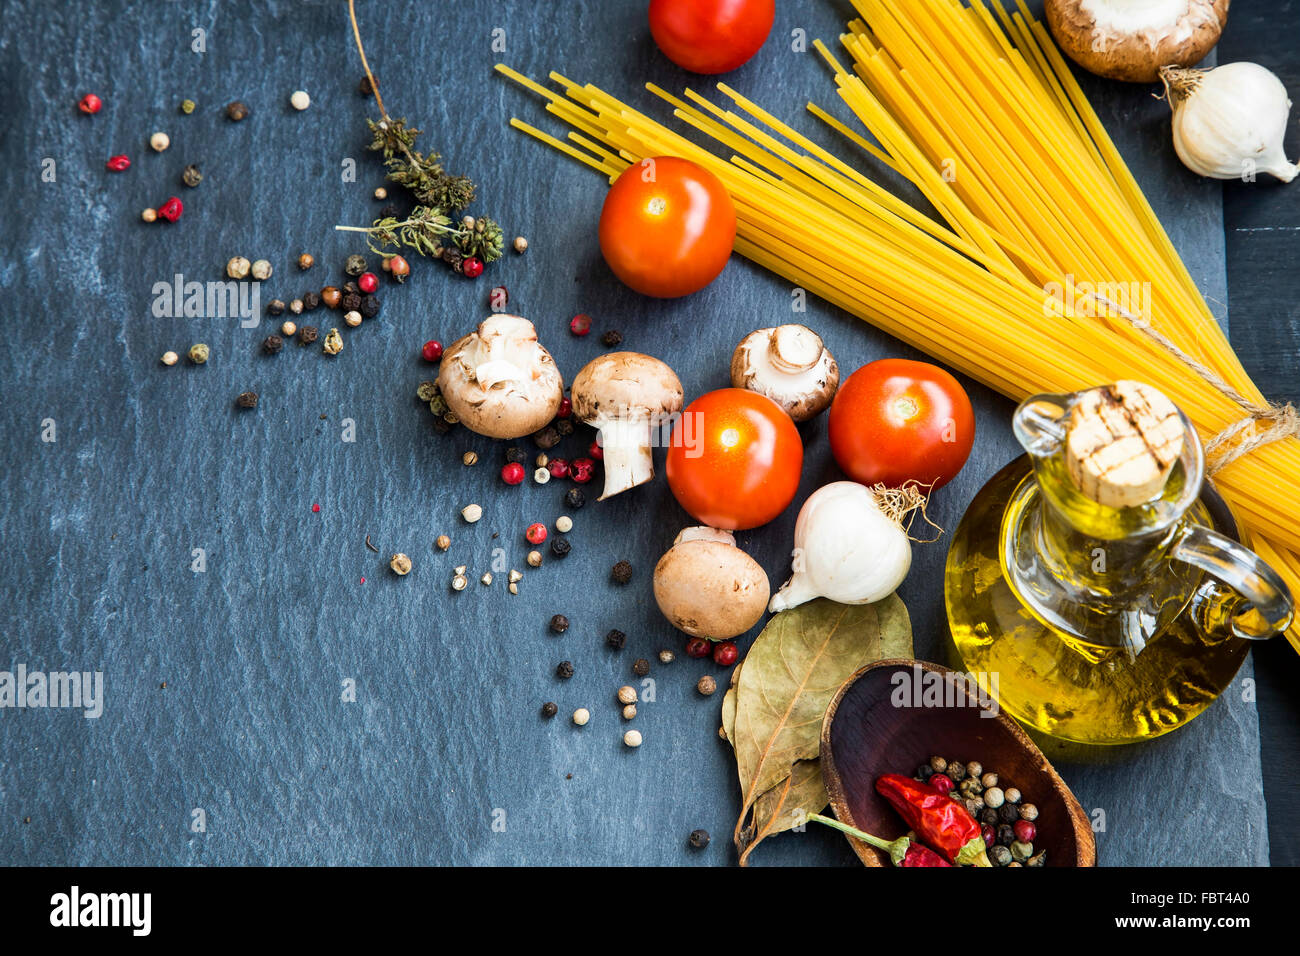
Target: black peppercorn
column 559, row 624
column 516, row 456
column 622, row 572
column 924, row 772
column 549, row 709
column 453, row 258
column 310, row 301
column 547, row 438
column 1006, row 835
column 369, row 306
column 191, row 177
column 698, row 839
column 564, row 427
column 956, row 771
column 351, row 302
column 990, row 816
column 247, row 400
column 612, row 338
column 640, row 667
column 351, row 287
column 307, row 334
column 564, row 670
column 275, row 307
column 615, row 639
column 355, row 265
column 1008, row 813
column 574, row 498
column 560, row 546
column 237, row 111
column 273, row 344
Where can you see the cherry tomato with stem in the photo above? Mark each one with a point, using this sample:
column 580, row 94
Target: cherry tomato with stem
column 897, row 421
column 667, row 227
column 711, row 36
column 734, row 459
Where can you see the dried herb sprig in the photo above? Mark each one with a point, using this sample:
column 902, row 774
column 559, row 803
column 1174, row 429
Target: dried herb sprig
column 428, row 229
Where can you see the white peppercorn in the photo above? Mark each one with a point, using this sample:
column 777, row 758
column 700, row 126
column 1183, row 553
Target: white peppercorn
column 534, row 559
column 260, row 270
column 237, row 268
column 1028, row 812
column 471, row 513
column 159, row 141
column 170, row 358
column 989, row 780
column 632, row 738
column 299, row 100
column 629, row 711
column 627, row 695
column 400, row 564
column 994, row 797
column 542, row 475
column 667, row 657
column 459, row 582
column 288, row 329
column 353, row 318
column 521, row 245
column 443, row 542
column 1012, row 795
column 581, row 716
column 564, row 524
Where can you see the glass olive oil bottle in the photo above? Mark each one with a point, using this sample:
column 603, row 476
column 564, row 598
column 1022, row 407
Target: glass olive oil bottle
column 1086, row 585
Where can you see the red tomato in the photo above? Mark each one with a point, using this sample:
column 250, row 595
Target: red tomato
column 734, row 460
column 711, row 36
column 667, row 227
column 896, row 421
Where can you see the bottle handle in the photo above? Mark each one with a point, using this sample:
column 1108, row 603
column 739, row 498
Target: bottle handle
column 1266, row 608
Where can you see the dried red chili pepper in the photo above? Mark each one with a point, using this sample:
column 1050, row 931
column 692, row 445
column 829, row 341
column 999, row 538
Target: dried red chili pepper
column 904, row 852
column 939, row 820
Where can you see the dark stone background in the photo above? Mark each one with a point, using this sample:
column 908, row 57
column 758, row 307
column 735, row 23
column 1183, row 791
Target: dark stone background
column 150, row 463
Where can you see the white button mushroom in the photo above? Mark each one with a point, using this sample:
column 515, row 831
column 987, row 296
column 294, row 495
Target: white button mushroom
column 499, row 381
column 790, row 365
column 708, row 587
column 625, row 395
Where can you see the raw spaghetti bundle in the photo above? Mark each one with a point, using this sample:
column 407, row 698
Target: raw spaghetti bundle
column 1021, row 287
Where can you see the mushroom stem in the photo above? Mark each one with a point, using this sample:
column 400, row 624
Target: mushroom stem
column 628, row 460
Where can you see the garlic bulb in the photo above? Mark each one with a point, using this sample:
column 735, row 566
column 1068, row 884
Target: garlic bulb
column 1229, row 122
column 846, row 548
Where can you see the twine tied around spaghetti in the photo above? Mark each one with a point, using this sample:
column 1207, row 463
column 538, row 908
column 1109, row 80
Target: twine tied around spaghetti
column 1262, row 424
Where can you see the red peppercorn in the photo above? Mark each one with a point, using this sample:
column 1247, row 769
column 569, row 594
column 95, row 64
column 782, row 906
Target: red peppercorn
column 367, row 282
column 725, row 654
column 558, row 467
column 399, row 267
column 596, row 451
column 580, row 324
column 90, row 104
column 472, row 267
column 513, row 473
column 171, row 210
column 1025, row 831
column 432, row 350
column 536, row 533
column 989, row 834
column 581, row 470
column 566, row 408
column 698, row 647
column 942, row 783
column 118, row 163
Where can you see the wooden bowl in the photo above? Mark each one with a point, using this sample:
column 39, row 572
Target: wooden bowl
column 865, row 735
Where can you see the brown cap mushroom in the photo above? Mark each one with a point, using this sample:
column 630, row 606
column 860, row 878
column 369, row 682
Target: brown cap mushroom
column 625, row 395
column 790, row 365
column 708, row 587
column 1121, row 40
column 499, row 381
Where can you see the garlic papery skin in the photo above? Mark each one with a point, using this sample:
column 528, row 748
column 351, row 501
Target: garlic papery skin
column 1230, row 122
column 846, row 548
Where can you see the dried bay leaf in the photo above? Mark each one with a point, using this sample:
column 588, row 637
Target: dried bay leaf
column 789, row 677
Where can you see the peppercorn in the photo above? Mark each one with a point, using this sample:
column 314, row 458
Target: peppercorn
column 400, row 564
column 459, row 582
column 581, row 716
column 574, row 498
column 90, row 104
column 640, row 667
column 560, row 546
column 666, row 656
column 331, row 296
column 149, row 215
column 352, row 319
column 199, row 353
column 725, row 653
column 170, row 358
column 621, row 572
column 706, row 685
column 999, row 855
column 191, row 177
column 171, row 210
column 287, row 329
column 698, row 839
column 237, row 267
column 1008, row 813
column 698, row 647
column 471, row 267
column 993, row 796
column 923, row 773
column 355, row 265
column 431, row 351
column 536, row 533
column 299, row 100
column 118, row 164
column 564, row 670
column 398, row 268
column 310, row 301
column 275, row 307
column 629, row 711
column 513, row 473
column 559, row 623
column 580, row 324
column 350, row 302
column 333, row 344
column 520, row 245
column 367, row 282
column 615, row 639
column 989, row 780
column 989, row 817
column 272, row 344
column 564, row 524
column 471, row 513
column 246, row 400
column 187, row 106
column 158, row 142
column 1025, row 831
column 1012, row 795
column 970, row 787
column 534, row 559
column 612, row 338
column 627, row 695
column 1006, row 835
column 516, row 456
column 469, row 459
column 236, row 111
column 956, row 771
column 443, row 542
column 549, row 709
column 541, row 476
column 973, row 806
column 1039, row 860
column 1021, row 851
column 564, row 427
column 369, row 306
column 1028, row 811
column 974, row 769
column 632, row 738
column 296, row 306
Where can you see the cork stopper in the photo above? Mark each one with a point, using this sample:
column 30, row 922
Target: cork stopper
column 1122, row 442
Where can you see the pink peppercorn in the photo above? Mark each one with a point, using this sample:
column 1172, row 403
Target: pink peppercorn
column 90, row 104
column 513, row 473
column 1025, row 831
column 472, row 267
column 581, row 470
column 432, row 350
column 989, row 834
column 367, row 282
column 596, row 451
column 943, row 783
column 171, row 210
column 536, row 533
column 725, row 654
column 580, row 324
column 566, row 408
column 698, row 647
column 558, row 467
column 118, row 163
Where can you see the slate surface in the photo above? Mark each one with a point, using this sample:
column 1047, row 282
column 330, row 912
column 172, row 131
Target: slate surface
column 100, row 526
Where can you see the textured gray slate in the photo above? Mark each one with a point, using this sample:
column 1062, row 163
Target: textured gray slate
column 98, row 527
